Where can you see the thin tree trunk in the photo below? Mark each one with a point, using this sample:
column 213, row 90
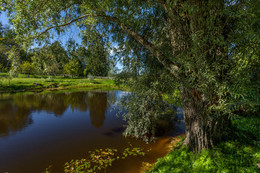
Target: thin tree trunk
column 203, row 129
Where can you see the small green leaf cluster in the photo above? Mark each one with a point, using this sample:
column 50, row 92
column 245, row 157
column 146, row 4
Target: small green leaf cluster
column 133, row 152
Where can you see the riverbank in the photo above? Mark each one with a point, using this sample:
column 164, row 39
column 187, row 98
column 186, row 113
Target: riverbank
column 240, row 153
column 22, row 83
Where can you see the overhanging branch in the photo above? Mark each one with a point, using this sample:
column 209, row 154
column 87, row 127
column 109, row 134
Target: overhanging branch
column 135, row 35
column 66, row 24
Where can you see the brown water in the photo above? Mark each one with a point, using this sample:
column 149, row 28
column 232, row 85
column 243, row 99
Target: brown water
column 39, row 130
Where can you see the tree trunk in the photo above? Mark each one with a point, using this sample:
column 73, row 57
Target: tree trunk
column 203, row 129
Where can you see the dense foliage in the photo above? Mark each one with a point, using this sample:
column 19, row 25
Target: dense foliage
column 26, row 68
column 72, row 68
column 210, row 49
column 98, row 62
column 148, row 114
column 11, row 53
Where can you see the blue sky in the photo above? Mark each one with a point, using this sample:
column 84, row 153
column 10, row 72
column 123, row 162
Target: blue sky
column 4, row 19
column 72, row 32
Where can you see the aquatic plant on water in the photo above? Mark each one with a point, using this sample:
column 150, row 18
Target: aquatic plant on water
column 99, row 160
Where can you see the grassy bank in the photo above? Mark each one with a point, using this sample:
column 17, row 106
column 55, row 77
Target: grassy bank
column 38, row 83
column 240, row 153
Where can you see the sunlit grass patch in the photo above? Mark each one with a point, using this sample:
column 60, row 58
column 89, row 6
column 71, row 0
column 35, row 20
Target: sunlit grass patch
column 239, row 154
column 23, row 83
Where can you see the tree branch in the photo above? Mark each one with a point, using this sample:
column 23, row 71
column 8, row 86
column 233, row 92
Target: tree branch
column 66, row 24
column 155, row 51
column 168, row 64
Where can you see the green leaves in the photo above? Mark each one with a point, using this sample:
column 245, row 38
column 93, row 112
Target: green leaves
column 148, row 115
column 213, row 47
column 72, row 67
column 26, row 67
column 97, row 63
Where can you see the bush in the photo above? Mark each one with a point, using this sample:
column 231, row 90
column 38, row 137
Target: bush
column 90, row 77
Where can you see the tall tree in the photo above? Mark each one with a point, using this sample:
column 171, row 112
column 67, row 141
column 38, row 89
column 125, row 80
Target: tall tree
column 200, row 43
column 77, row 54
column 60, row 54
column 49, row 59
column 5, row 46
column 72, row 67
column 97, row 63
column 26, row 67
column 8, row 46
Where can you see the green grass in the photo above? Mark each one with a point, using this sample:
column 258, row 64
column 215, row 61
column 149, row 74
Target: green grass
column 23, row 83
column 238, row 154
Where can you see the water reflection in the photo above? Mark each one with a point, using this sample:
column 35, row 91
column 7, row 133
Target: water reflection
column 39, row 130
column 15, row 110
column 13, row 118
column 97, row 108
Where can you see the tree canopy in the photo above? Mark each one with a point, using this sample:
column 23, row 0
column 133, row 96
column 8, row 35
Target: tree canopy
column 209, row 48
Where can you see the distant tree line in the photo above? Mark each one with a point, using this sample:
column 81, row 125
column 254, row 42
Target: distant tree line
column 54, row 59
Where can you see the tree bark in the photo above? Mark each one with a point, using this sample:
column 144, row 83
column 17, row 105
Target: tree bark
column 204, row 129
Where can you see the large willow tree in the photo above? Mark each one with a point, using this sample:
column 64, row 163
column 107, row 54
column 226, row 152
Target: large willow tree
column 209, row 47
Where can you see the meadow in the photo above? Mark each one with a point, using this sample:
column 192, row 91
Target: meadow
column 43, row 82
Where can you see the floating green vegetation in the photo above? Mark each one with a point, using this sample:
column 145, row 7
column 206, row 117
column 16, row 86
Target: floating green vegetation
column 99, row 160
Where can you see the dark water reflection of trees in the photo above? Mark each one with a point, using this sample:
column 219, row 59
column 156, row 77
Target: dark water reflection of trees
column 15, row 111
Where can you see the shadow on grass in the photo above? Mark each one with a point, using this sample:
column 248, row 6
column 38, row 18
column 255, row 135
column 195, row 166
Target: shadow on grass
column 20, row 87
column 95, row 82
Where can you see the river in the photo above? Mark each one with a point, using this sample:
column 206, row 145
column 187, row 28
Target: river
column 38, row 130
